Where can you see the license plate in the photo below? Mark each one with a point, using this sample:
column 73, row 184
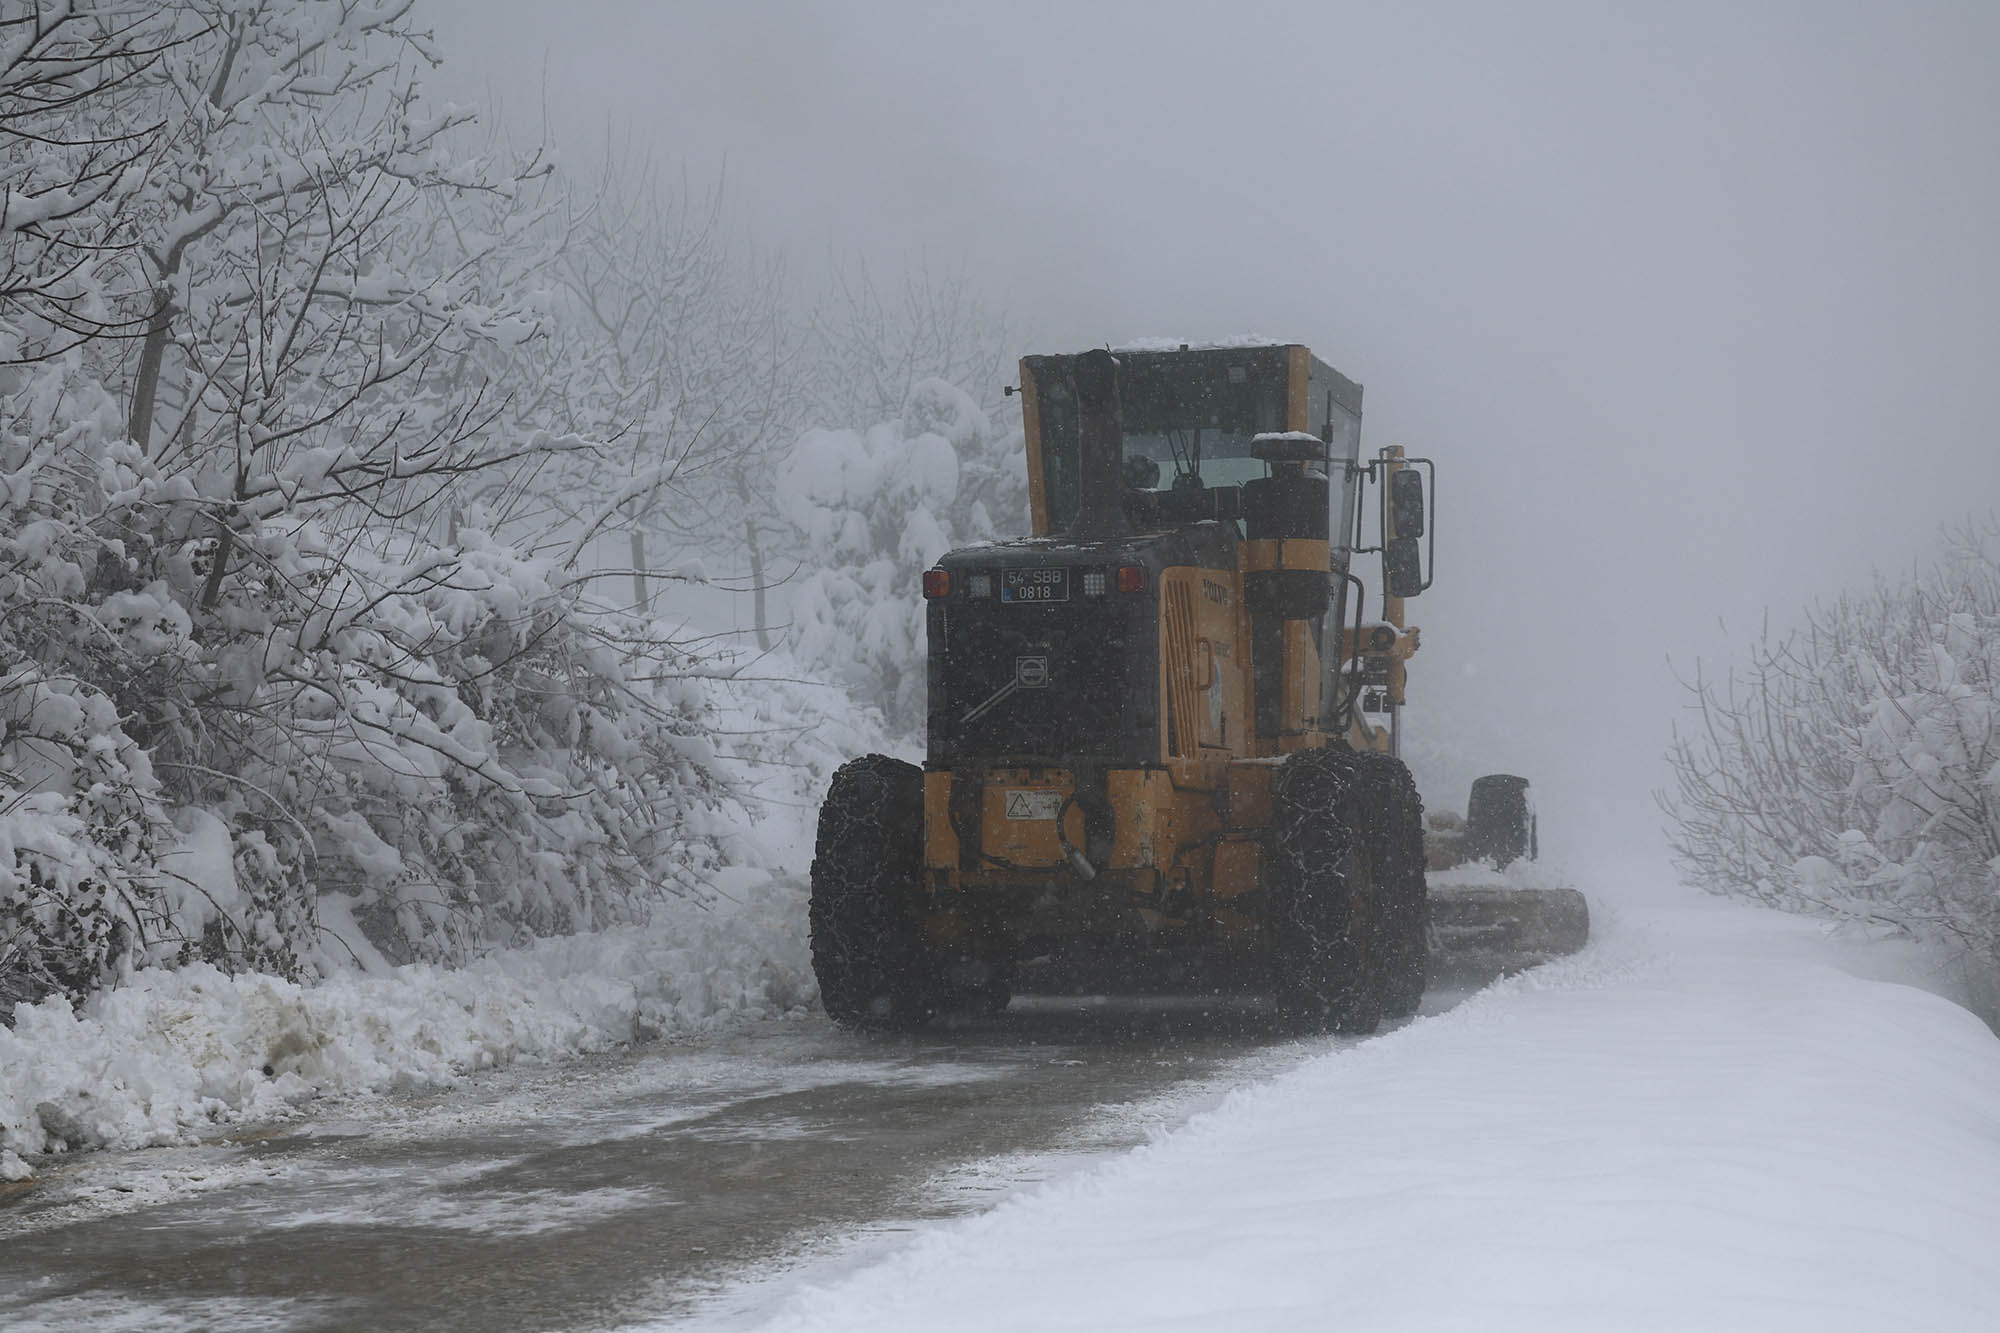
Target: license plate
column 1034, row 804
column 1034, row 585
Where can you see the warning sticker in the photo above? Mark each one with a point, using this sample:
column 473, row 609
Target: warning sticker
column 1034, row 804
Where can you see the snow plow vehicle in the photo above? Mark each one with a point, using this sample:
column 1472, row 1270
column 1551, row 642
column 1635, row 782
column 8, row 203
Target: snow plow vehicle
column 1163, row 733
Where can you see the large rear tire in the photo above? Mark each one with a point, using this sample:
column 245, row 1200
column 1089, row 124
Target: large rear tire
column 1324, row 977
column 1392, row 821
column 867, row 901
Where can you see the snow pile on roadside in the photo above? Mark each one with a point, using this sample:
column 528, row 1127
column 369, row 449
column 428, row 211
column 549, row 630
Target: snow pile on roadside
column 171, row 1054
column 1704, row 1121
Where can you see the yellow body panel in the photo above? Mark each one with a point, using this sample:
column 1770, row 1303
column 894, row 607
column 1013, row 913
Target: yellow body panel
column 1158, row 820
column 1237, row 864
column 1248, row 798
column 1144, row 800
column 1298, row 712
column 1298, row 553
column 1204, row 665
column 1298, row 407
column 1031, row 430
column 940, row 839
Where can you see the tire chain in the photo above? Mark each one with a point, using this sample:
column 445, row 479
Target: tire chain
column 1320, row 955
column 1393, row 828
column 866, row 910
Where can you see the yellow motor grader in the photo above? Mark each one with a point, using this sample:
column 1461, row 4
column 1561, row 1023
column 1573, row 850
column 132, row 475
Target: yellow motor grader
column 1163, row 731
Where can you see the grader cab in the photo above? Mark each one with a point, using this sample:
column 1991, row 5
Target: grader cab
column 1163, row 730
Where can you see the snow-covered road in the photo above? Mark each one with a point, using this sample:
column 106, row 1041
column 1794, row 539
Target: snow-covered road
column 612, row 1188
column 1715, row 1117
column 1712, row 1119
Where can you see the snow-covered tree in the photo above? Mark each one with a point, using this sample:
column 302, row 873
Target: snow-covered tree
column 80, row 816
column 867, row 352
column 682, row 359
column 257, row 643
column 877, row 507
column 1852, row 769
column 72, row 156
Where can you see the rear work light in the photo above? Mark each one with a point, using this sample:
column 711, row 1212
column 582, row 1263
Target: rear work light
column 1095, row 583
column 1131, row 578
column 979, row 585
column 937, row 583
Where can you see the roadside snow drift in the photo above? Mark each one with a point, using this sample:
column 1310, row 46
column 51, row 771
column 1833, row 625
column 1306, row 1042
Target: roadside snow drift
column 172, row 1054
column 1702, row 1122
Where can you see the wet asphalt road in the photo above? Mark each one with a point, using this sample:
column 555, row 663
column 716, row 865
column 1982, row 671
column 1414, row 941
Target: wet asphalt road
column 612, row 1190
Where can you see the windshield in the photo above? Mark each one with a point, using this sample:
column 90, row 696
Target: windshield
column 1187, row 416
column 1187, row 430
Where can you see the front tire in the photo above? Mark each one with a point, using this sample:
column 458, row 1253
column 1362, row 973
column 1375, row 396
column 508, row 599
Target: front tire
column 867, row 901
column 1392, row 816
column 1324, row 977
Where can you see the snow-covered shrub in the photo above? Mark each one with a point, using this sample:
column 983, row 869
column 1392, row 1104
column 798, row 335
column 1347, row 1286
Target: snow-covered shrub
column 873, row 509
column 80, row 816
column 1853, row 769
column 443, row 737
column 255, row 647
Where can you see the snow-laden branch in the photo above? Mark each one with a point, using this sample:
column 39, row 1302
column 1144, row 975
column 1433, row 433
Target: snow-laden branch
column 1850, row 769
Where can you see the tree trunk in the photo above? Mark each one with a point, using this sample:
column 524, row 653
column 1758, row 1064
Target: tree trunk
column 756, row 561
column 641, row 601
column 146, row 390
column 757, row 583
column 225, row 547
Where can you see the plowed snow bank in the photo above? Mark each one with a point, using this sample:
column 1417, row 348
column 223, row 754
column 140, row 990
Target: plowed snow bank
column 174, row 1053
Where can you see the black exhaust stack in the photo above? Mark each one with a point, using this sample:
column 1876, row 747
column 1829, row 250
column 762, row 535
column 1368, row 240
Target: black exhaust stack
column 1100, row 509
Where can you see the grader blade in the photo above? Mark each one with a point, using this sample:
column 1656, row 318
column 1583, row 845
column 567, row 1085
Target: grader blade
column 1484, row 919
column 1517, row 927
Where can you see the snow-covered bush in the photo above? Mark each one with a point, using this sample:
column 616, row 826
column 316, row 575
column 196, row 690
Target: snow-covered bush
column 440, row 734
column 80, row 815
column 1852, row 770
column 448, row 740
column 873, row 509
column 257, row 643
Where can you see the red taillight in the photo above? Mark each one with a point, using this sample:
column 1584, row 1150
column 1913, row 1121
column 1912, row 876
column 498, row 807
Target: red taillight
column 1131, row 578
column 937, row 583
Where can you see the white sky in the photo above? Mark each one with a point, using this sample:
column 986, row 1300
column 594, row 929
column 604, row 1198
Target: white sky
column 1695, row 306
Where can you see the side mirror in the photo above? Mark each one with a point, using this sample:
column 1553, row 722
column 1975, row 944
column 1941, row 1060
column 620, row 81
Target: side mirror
column 1406, row 502
column 1402, row 567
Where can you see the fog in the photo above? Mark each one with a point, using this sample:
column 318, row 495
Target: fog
column 1695, row 309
